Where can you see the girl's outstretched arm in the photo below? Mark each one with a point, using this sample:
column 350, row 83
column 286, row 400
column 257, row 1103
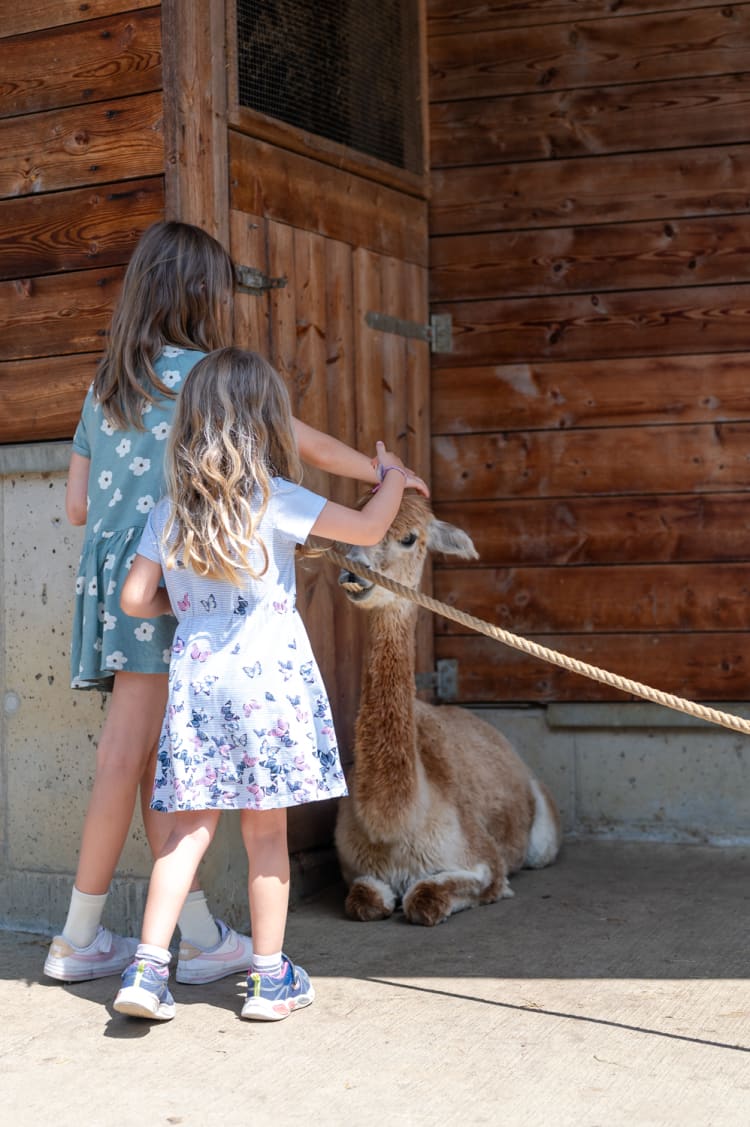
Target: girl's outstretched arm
column 368, row 525
column 330, row 454
column 141, row 596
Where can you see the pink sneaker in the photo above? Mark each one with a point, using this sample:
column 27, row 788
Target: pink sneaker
column 106, row 954
column 233, row 954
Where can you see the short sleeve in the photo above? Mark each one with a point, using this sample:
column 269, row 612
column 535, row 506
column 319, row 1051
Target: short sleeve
column 150, row 542
column 81, row 444
column 295, row 509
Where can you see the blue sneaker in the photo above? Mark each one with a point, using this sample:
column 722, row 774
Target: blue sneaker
column 271, row 999
column 145, row 992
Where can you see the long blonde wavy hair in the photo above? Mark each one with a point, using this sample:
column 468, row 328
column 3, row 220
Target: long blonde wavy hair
column 177, row 290
column 231, row 434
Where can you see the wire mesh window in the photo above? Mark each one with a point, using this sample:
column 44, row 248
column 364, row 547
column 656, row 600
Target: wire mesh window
column 347, row 70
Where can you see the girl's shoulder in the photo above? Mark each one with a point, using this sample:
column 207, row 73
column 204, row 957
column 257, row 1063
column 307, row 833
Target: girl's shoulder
column 171, row 356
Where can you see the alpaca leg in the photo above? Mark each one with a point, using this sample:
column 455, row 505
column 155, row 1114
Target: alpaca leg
column 433, row 899
column 369, row 899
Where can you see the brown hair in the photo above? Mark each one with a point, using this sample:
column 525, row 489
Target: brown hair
column 177, row 290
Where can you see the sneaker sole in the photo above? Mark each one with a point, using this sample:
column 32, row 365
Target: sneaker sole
column 136, row 1002
column 55, row 968
column 259, row 1009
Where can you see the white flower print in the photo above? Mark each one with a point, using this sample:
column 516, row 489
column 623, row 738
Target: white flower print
column 116, row 660
column 144, row 632
column 170, row 378
column 105, row 479
column 107, row 535
column 101, row 611
column 146, row 408
column 109, row 621
column 160, row 432
column 145, row 504
column 170, row 351
column 107, row 427
column 111, row 587
column 116, row 496
column 166, row 655
column 98, row 525
column 123, row 447
column 93, row 587
column 129, row 562
column 109, row 561
column 129, row 535
column 80, row 584
column 139, row 466
column 98, row 645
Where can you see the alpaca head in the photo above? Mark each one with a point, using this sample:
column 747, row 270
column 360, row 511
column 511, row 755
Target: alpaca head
column 402, row 552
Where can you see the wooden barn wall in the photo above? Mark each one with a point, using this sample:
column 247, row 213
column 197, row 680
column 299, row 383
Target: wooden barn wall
column 591, row 429
column 81, row 176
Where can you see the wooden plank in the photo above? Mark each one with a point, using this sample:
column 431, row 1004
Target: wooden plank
column 309, row 389
column 195, row 111
column 55, row 316
column 41, row 399
column 590, row 122
column 77, row 229
column 84, row 145
column 317, row 197
column 418, row 374
column 602, row 600
column 660, row 389
column 652, row 47
column 35, row 15
column 368, row 355
column 682, row 528
column 81, row 63
column 613, row 189
column 248, row 248
column 660, row 459
column 282, row 308
column 699, row 251
column 395, row 409
column 575, row 327
column 707, row 667
column 455, row 17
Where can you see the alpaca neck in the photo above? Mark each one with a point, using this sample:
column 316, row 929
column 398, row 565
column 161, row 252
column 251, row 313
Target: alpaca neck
column 385, row 754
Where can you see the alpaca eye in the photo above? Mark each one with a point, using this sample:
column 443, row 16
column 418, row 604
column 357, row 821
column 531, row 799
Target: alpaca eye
column 409, row 539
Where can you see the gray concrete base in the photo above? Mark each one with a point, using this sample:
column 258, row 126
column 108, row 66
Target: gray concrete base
column 611, row 991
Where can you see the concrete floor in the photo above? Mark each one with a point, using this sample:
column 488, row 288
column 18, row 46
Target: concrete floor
column 613, row 989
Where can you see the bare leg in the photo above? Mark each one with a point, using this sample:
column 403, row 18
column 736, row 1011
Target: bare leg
column 127, row 744
column 264, row 835
column 173, row 872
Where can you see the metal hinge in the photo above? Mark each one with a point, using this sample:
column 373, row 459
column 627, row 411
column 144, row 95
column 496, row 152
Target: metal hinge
column 443, row 682
column 251, row 280
column 438, row 334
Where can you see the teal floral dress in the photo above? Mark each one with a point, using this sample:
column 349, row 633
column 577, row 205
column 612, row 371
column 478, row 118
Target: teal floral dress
column 126, row 479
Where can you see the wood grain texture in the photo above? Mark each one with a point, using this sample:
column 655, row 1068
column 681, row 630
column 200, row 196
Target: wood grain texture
column 600, row 393
column 635, row 529
column 660, row 459
column 596, row 120
column 604, row 600
column 316, row 197
column 584, row 53
column 81, row 145
column 57, row 316
column 707, row 667
column 36, row 15
column 456, row 17
column 41, row 399
column 96, row 61
column 608, row 189
column 77, row 229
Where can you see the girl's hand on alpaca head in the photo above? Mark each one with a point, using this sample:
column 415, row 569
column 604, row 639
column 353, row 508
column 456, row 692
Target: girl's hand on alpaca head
column 384, row 457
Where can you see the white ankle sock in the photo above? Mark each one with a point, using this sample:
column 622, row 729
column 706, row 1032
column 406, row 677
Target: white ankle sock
column 267, row 964
column 153, row 954
column 196, row 923
column 84, row 917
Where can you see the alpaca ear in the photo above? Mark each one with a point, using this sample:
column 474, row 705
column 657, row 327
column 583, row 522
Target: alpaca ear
column 451, row 541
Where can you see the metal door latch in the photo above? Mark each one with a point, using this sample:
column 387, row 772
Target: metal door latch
column 251, row 280
column 438, row 334
column 443, row 682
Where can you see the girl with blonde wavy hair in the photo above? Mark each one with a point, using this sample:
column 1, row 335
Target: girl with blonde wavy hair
column 248, row 724
column 175, row 306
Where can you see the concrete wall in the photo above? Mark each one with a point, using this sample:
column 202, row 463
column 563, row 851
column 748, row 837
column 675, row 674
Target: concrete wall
column 629, row 770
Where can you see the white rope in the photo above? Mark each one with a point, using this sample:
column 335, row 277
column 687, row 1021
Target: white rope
column 624, row 684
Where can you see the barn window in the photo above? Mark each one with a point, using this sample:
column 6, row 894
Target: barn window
column 347, row 70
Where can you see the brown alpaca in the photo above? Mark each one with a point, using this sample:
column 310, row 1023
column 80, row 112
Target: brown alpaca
column 441, row 808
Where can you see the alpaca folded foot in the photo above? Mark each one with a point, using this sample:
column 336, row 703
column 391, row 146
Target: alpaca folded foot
column 370, row 899
column 432, row 900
